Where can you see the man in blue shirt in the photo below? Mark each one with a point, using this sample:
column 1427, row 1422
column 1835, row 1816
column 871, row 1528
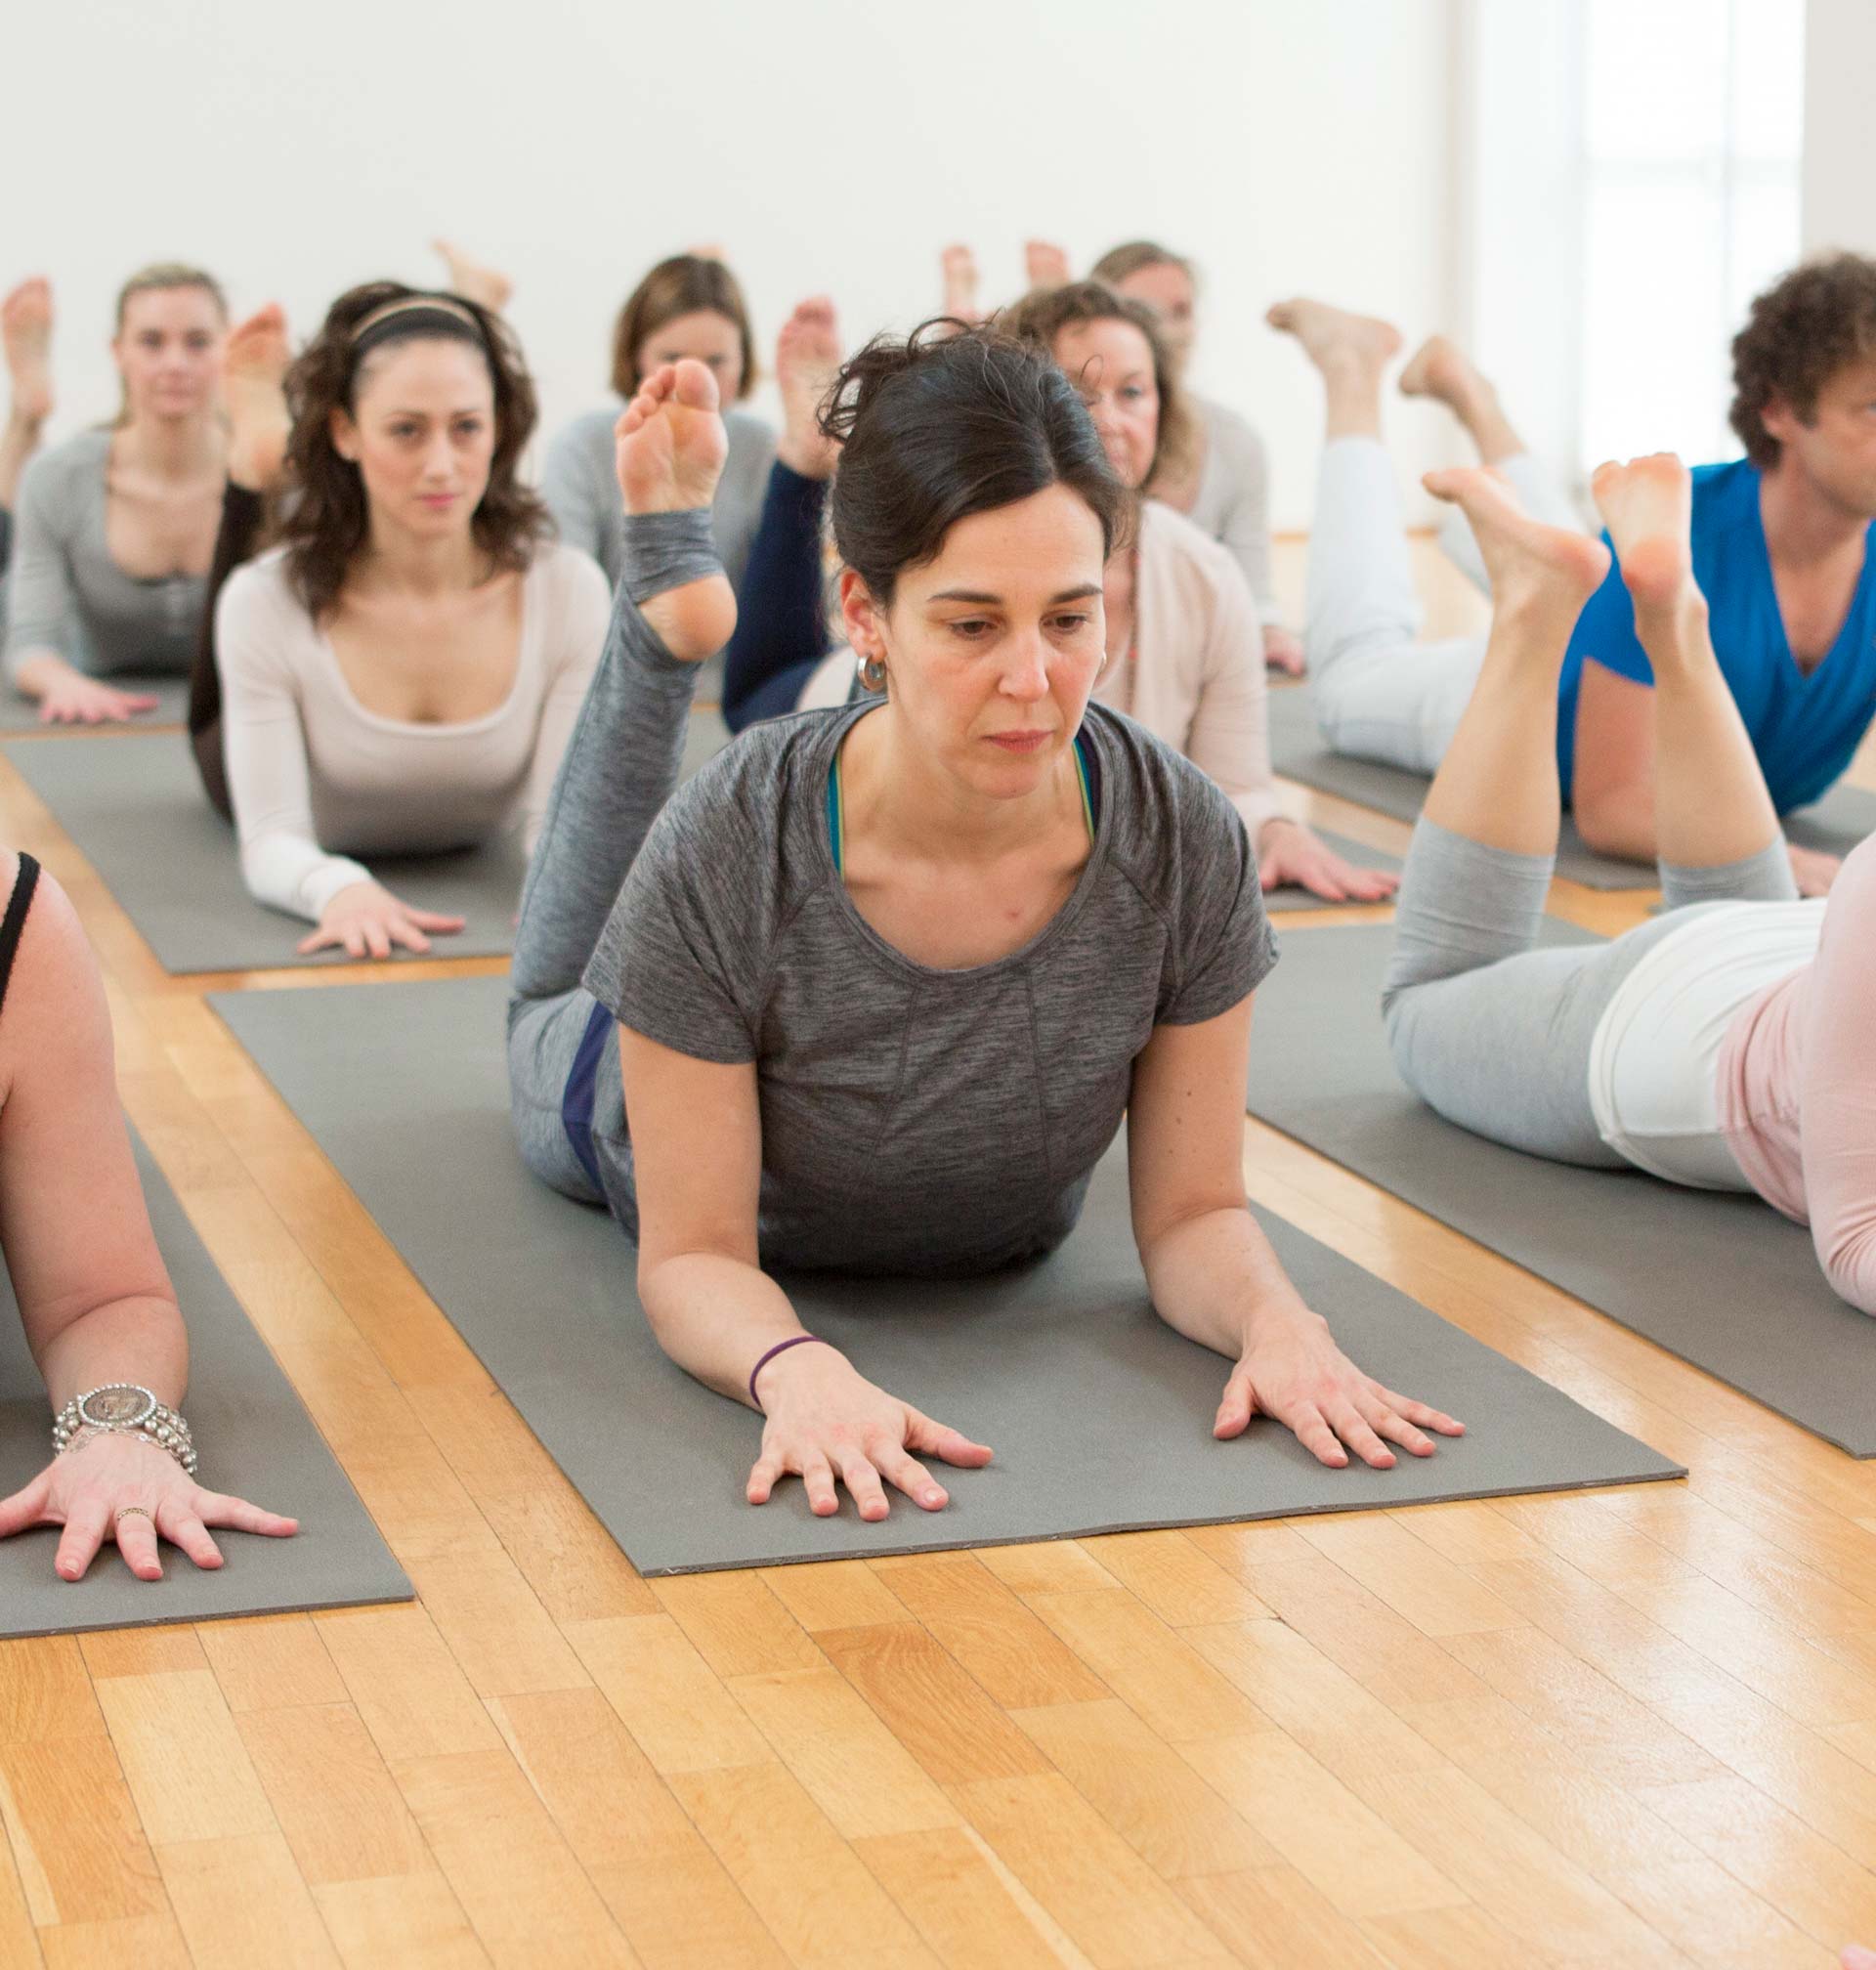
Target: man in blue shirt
column 1781, row 552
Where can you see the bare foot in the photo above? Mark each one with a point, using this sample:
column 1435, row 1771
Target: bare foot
column 485, row 285
column 254, row 366
column 25, row 331
column 1529, row 564
column 959, row 266
column 670, row 448
column 1441, row 369
column 1044, row 264
column 807, row 359
column 1647, row 506
column 1334, row 338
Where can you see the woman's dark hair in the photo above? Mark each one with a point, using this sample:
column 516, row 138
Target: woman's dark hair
column 949, row 422
column 687, row 284
column 1040, row 316
column 327, row 518
column 1800, row 333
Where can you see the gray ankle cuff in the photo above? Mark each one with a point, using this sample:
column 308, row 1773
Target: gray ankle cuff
column 666, row 551
column 1764, row 877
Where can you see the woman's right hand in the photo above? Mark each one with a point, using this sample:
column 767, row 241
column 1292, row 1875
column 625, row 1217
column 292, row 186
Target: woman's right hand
column 70, row 698
column 825, row 1420
column 364, row 919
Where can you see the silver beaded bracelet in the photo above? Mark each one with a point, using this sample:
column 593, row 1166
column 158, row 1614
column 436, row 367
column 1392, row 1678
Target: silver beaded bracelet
column 125, row 1408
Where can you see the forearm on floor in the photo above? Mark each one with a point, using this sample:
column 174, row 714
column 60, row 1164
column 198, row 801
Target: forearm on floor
column 715, row 1317
column 1213, row 1275
column 36, row 669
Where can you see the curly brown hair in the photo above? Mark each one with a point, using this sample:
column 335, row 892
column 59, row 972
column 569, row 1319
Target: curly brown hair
column 326, row 520
column 1040, row 317
column 687, row 284
column 1797, row 336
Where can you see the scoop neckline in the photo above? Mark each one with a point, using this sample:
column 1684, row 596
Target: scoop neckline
column 828, row 875
column 415, row 728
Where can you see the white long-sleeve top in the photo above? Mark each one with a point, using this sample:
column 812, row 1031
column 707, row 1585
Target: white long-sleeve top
column 317, row 778
column 1195, row 675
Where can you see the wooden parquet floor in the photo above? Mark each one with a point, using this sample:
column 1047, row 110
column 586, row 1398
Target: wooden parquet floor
column 1617, row 1729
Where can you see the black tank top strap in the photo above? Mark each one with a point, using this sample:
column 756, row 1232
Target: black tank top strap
column 15, row 921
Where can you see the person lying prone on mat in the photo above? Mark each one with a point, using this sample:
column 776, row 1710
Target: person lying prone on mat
column 1726, row 1044
column 877, row 985
column 100, row 1314
column 401, row 674
column 115, row 525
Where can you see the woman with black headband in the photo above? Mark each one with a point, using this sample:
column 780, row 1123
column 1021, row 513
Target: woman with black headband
column 401, row 674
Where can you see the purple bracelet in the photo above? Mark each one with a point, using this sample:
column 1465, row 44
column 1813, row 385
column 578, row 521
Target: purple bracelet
column 779, row 1348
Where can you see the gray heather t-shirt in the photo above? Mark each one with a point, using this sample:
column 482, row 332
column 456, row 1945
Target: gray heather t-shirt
column 917, row 1120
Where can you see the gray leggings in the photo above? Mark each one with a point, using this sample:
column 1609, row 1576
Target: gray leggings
column 619, row 767
column 1495, row 1035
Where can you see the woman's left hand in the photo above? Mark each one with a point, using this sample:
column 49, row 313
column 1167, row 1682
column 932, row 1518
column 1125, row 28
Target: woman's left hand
column 1291, row 1371
column 1288, row 853
column 129, row 1488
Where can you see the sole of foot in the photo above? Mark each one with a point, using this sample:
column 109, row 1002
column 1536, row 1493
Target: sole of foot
column 1647, row 506
column 1330, row 335
column 254, row 366
column 670, row 446
column 807, row 360
column 1441, row 369
column 25, row 336
column 1526, row 560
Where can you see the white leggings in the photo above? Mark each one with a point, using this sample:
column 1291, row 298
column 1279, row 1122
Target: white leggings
column 1377, row 692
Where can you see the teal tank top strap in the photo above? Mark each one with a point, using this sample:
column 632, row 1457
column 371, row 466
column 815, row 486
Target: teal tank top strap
column 836, row 827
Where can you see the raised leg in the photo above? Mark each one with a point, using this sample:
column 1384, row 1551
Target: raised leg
column 25, row 340
column 781, row 632
column 1498, row 782
column 1711, row 807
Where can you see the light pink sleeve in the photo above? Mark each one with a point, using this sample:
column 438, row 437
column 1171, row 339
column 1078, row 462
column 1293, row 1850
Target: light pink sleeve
column 582, row 608
column 1229, row 737
column 1838, row 1101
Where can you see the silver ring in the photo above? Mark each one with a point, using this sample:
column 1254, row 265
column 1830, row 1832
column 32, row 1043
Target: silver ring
column 125, row 1510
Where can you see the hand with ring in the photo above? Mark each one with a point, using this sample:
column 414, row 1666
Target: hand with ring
column 124, row 1487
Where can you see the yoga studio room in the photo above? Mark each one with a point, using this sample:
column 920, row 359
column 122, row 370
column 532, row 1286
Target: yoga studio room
column 936, row 986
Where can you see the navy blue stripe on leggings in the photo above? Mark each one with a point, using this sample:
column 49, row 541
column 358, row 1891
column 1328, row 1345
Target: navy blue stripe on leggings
column 576, row 1098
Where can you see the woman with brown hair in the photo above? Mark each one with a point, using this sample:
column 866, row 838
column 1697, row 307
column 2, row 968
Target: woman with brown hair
column 689, row 306
column 115, row 525
column 1218, row 477
column 399, row 675
column 1185, row 658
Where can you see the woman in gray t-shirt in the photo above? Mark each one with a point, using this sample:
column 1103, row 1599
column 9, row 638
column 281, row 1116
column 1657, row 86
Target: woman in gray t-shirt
column 879, row 984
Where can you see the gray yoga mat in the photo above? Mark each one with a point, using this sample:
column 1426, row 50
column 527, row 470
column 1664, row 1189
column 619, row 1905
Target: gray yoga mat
column 1099, row 1414
column 134, row 807
column 1834, row 825
column 1721, row 1280
column 21, row 714
column 255, row 1440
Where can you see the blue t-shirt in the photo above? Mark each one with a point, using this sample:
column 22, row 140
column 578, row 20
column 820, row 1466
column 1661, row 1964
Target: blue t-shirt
column 1804, row 728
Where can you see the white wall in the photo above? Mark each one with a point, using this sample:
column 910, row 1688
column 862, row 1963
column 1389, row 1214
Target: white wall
column 828, row 143
column 1840, row 134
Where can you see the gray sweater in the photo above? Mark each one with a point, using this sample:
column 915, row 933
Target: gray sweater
column 1233, row 501
column 64, row 593
column 580, row 486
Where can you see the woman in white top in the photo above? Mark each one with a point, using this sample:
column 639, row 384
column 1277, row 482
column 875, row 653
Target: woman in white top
column 1185, row 653
column 1219, row 478
column 402, row 673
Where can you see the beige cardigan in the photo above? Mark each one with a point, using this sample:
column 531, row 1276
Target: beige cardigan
column 1195, row 674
